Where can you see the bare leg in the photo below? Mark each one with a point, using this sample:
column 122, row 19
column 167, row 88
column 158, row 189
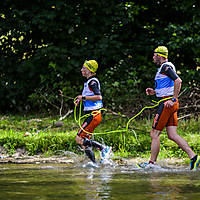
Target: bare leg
column 172, row 135
column 88, row 150
column 155, row 144
column 79, row 140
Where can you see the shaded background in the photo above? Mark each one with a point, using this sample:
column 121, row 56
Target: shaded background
column 44, row 44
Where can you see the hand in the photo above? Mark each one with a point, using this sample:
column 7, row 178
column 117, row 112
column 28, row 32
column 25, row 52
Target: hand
column 76, row 102
column 169, row 103
column 150, row 91
column 78, row 99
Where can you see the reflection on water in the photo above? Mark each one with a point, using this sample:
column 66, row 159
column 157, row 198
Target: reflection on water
column 60, row 181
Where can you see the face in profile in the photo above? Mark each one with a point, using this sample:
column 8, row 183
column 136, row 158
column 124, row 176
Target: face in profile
column 85, row 71
column 156, row 59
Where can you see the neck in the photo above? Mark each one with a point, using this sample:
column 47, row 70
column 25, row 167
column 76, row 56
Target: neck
column 164, row 60
column 90, row 75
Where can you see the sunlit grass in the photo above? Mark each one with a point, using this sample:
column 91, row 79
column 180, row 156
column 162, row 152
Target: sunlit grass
column 41, row 135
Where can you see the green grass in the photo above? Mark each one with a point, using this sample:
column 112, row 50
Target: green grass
column 40, row 135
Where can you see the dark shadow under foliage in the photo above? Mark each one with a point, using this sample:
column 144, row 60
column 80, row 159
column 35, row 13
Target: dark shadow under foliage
column 44, row 44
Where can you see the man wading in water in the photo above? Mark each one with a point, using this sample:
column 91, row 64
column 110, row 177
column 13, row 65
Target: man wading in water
column 92, row 102
column 167, row 84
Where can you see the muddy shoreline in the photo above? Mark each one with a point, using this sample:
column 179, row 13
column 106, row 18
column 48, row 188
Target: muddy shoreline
column 73, row 160
column 35, row 160
column 66, row 157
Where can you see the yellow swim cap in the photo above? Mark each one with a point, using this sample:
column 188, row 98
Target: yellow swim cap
column 92, row 65
column 161, row 51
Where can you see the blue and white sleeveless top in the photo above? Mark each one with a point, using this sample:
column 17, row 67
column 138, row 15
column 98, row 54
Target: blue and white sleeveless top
column 164, row 85
column 91, row 105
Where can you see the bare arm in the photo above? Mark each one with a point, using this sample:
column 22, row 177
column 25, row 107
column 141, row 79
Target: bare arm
column 90, row 98
column 177, row 87
column 97, row 95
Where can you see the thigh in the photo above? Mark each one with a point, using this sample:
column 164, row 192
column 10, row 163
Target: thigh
column 165, row 116
column 94, row 123
column 89, row 125
column 173, row 119
column 82, row 131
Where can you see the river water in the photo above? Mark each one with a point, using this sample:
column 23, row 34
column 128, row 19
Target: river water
column 69, row 181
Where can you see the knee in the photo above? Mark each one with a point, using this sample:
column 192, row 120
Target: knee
column 154, row 134
column 79, row 140
column 76, row 139
column 171, row 132
column 171, row 137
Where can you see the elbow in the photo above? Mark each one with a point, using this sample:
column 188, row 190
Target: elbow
column 99, row 98
column 178, row 80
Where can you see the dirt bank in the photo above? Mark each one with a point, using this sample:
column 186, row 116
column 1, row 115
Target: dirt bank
column 74, row 159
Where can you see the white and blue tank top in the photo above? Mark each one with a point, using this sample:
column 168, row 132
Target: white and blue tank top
column 87, row 91
column 164, row 80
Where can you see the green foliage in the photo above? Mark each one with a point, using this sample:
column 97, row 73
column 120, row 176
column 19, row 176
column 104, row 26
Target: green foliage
column 35, row 135
column 45, row 138
column 44, row 44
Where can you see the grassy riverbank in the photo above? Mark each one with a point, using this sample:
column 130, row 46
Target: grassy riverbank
column 45, row 135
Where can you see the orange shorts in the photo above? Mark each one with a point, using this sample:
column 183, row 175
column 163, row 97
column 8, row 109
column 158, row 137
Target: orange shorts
column 165, row 116
column 90, row 124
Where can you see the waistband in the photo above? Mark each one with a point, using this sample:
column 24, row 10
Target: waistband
column 92, row 111
column 164, row 97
